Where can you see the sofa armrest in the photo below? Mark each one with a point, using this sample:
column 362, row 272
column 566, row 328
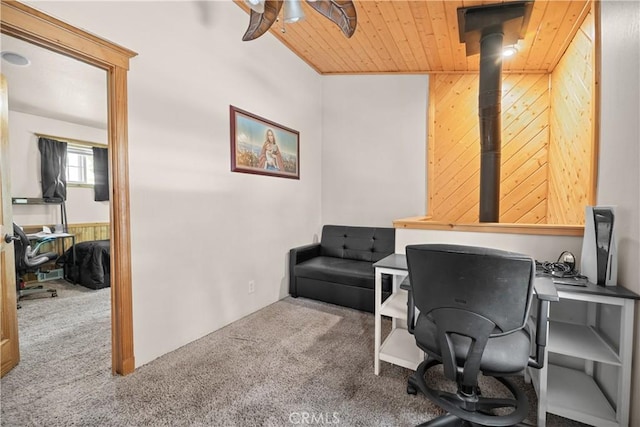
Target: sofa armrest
column 304, row 253
column 296, row 256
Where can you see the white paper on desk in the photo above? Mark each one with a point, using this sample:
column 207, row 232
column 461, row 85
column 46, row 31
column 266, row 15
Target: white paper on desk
column 40, row 235
column 46, row 230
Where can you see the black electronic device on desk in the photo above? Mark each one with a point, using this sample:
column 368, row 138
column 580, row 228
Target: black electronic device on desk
column 563, row 271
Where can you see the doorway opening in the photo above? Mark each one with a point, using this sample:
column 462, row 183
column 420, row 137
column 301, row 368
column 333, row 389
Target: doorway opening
column 28, row 24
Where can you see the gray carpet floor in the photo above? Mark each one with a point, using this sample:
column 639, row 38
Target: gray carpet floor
column 293, row 359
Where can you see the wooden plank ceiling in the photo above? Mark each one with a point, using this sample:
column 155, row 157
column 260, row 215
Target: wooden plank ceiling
column 422, row 37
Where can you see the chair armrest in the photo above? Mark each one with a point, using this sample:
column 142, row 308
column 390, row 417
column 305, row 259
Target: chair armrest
column 296, row 256
column 545, row 289
column 545, row 293
column 411, row 306
column 33, row 252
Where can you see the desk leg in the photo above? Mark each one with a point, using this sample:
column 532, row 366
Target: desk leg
column 542, row 394
column 378, row 327
column 542, row 385
column 73, row 251
column 395, row 284
column 626, row 355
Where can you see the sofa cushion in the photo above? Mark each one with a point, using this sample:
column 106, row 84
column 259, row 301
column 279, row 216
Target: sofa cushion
column 357, row 243
column 338, row 270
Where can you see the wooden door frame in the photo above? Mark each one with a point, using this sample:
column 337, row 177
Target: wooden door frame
column 9, row 351
column 25, row 23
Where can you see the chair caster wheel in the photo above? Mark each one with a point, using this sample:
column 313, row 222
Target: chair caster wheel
column 411, row 390
column 54, row 295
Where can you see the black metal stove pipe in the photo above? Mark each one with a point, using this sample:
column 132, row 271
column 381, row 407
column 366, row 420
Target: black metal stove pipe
column 489, row 100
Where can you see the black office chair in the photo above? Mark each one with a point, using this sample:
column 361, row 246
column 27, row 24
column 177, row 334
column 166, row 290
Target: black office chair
column 29, row 261
column 473, row 309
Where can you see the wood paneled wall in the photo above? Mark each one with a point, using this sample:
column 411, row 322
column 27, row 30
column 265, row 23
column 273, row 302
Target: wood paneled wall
column 572, row 148
column 454, row 148
column 90, row 231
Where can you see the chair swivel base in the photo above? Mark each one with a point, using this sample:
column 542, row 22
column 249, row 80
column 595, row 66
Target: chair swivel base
column 471, row 410
column 33, row 290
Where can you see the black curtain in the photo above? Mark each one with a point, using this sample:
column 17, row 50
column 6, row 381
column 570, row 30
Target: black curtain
column 53, row 165
column 101, row 172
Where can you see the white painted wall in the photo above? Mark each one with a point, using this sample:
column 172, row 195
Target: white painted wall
column 25, row 171
column 373, row 148
column 619, row 167
column 200, row 233
column 542, row 248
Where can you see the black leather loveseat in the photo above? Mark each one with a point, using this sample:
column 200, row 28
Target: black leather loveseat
column 339, row 269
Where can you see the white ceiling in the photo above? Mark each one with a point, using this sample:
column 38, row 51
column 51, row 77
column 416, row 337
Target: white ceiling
column 54, row 85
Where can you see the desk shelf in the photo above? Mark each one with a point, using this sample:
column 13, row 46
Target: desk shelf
column 580, row 341
column 396, row 306
column 400, row 349
column 51, row 201
column 575, row 395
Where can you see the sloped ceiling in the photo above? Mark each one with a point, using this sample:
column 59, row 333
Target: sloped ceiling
column 422, row 37
column 391, row 37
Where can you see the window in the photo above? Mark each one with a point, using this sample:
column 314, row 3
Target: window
column 79, row 165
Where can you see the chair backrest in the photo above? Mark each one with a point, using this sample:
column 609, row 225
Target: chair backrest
column 20, row 247
column 491, row 283
column 27, row 260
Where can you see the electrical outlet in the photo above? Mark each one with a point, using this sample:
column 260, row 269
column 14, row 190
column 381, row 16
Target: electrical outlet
column 252, row 286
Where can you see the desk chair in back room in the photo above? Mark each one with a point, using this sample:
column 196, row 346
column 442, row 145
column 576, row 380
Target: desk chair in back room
column 473, row 309
column 29, row 261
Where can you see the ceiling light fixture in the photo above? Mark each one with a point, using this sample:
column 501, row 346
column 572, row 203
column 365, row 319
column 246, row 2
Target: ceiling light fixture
column 340, row 12
column 293, row 11
column 15, row 59
column 509, row 51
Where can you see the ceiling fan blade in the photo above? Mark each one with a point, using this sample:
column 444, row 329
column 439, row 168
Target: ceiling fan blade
column 341, row 12
column 255, row 5
column 259, row 23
